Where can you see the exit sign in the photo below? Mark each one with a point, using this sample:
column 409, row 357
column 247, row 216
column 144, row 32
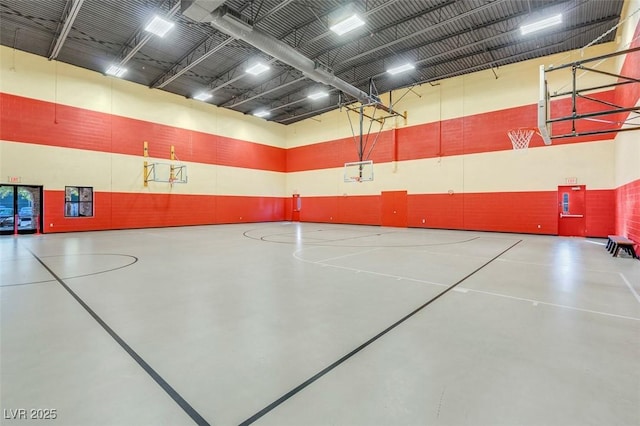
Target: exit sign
column 571, row 180
column 15, row 179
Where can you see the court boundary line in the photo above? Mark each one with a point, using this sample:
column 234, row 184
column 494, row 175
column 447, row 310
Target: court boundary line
column 344, row 358
column 347, row 268
column 328, row 243
column 633, row 290
column 555, row 305
column 170, row 391
column 466, row 289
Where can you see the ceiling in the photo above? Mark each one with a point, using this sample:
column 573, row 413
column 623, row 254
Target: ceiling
column 443, row 38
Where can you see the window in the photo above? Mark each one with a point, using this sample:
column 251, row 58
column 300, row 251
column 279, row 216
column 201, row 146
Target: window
column 565, row 203
column 78, row 201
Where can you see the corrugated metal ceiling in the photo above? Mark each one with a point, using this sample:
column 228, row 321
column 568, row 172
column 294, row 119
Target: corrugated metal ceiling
column 443, row 37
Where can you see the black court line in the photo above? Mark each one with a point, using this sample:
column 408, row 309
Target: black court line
column 135, row 259
column 327, row 369
column 327, row 243
column 191, row 412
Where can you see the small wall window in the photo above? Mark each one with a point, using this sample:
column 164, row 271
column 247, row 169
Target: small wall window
column 78, row 201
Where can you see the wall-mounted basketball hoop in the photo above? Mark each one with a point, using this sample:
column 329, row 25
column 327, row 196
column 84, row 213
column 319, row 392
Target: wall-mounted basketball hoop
column 521, row 137
column 170, row 173
column 358, row 171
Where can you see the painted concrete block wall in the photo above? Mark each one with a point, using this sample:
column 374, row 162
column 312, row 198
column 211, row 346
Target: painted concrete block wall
column 454, row 158
column 452, row 154
column 61, row 126
column 627, row 145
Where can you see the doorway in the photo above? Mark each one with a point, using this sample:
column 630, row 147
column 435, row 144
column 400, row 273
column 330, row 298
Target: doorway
column 20, row 209
column 571, row 211
column 394, row 209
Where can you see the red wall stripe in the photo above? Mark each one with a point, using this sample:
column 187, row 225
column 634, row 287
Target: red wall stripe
column 45, row 123
column 472, row 134
column 139, row 210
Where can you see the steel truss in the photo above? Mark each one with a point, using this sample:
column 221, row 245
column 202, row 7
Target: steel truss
column 362, row 140
column 632, row 122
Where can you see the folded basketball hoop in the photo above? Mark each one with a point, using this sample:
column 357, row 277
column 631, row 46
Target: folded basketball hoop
column 521, row 137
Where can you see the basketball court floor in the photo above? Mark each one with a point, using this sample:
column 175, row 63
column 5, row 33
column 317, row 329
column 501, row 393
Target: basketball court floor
column 317, row 324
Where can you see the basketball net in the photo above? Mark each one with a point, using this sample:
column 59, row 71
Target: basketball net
column 520, row 138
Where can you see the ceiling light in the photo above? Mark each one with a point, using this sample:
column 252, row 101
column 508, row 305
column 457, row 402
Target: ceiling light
column 346, row 25
column 258, row 68
column 262, row 113
column 401, row 68
column 318, row 95
column 203, row 96
column 541, row 24
column 159, row 26
column 116, row 71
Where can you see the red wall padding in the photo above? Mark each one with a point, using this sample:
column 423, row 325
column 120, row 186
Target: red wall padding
column 139, row 210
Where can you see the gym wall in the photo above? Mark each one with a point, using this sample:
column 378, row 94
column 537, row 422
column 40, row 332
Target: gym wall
column 62, row 126
column 627, row 145
column 455, row 160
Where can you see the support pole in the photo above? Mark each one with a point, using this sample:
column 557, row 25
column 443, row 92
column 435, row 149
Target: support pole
column 361, row 148
column 574, row 110
column 145, row 154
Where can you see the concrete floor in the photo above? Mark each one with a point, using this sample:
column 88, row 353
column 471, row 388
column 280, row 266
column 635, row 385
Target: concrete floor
column 317, row 324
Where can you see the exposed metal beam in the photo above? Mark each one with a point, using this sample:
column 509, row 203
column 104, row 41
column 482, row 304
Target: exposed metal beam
column 427, row 11
column 446, row 56
column 324, row 34
column 448, row 52
column 266, row 92
column 215, row 87
column 70, row 13
column 425, row 30
column 201, row 52
column 284, row 53
column 481, row 66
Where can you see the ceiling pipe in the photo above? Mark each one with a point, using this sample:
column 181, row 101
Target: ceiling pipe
column 225, row 22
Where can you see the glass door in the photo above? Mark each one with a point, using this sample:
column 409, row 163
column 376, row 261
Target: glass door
column 7, row 210
column 20, row 209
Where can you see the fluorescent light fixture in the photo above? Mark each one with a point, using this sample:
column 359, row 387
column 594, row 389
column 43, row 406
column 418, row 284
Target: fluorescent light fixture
column 401, row 68
column 116, row 71
column 262, row 113
column 346, row 25
column 258, row 68
column 318, row 95
column 541, row 24
column 203, row 96
column 159, row 26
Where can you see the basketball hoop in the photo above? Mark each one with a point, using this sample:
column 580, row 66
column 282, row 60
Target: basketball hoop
column 521, row 137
